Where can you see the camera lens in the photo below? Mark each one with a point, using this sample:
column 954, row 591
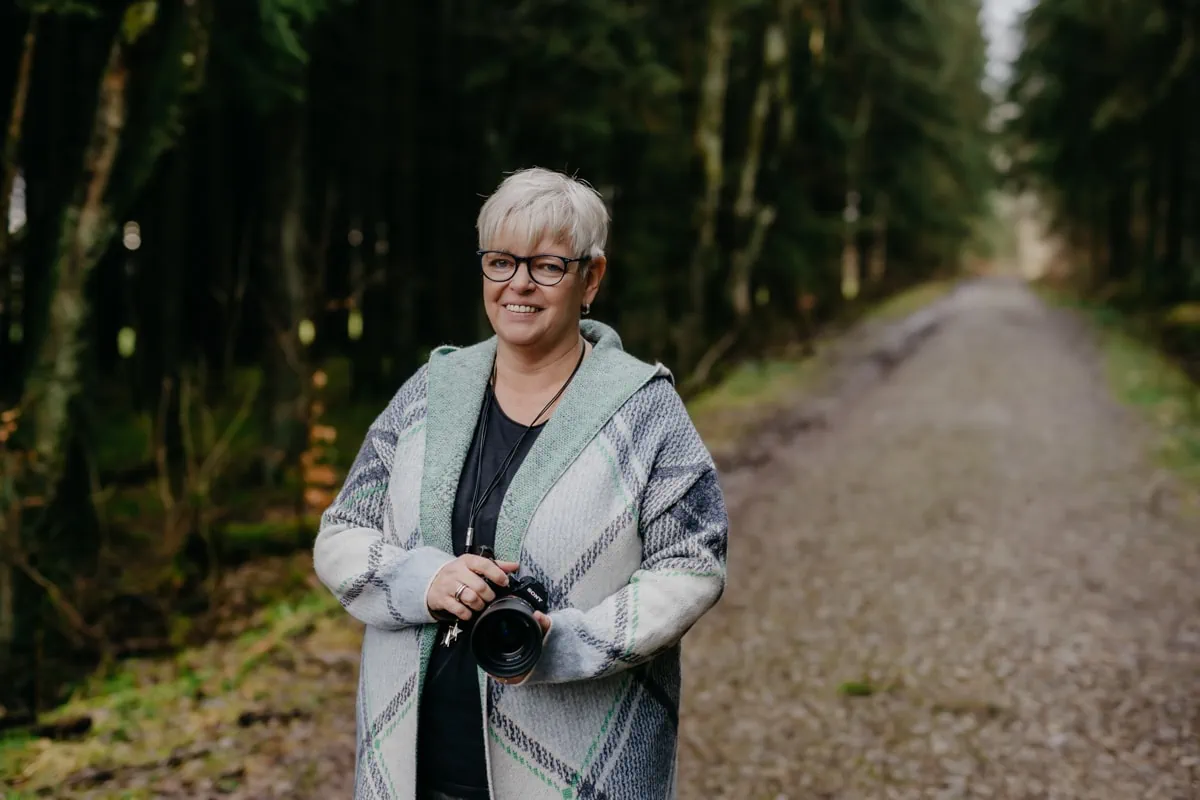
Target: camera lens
column 506, row 639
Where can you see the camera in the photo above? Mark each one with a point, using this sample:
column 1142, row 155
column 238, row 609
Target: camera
column 506, row 639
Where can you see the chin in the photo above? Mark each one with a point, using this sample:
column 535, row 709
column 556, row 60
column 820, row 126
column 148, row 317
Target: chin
column 520, row 336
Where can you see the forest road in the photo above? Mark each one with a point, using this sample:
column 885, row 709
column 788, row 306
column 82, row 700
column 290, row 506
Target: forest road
column 967, row 585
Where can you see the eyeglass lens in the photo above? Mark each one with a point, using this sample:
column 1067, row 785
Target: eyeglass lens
column 546, row 270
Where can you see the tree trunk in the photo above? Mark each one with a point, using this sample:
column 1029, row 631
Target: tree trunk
column 9, row 529
column 852, row 268
column 228, row 266
column 1178, row 158
column 167, row 352
column 12, row 143
column 1153, row 223
column 284, row 297
column 88, row 224
column 56, row 373
column 404, row 280
column 8, row 498
column 877, row 263
column 709, row 140
column 753, row 218
column 86, row 230
column 1120, row 243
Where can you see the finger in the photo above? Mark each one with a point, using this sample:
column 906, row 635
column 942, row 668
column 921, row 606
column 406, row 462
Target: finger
column 512, row 681
column 471, row 599
column 508, row 566
column 458, row 609
column 465, row 583
column 542, row 620
column 460, row 574
column 479, row 586
column 487, row 568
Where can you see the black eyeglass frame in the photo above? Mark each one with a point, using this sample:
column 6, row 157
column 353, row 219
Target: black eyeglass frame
column 528, row 262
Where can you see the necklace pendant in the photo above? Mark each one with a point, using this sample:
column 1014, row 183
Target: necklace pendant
column 451, row 635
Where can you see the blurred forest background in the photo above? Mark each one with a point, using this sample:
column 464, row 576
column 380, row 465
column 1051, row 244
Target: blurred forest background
column 236, row 226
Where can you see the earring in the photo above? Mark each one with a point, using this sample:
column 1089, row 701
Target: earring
column 587, row 309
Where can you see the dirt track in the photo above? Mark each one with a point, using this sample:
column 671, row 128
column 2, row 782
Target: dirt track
column 969, row 583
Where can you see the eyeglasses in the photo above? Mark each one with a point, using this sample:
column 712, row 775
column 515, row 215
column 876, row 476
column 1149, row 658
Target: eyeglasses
column 546, row 270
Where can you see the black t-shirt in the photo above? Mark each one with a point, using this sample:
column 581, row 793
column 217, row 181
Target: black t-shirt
column 450, row 731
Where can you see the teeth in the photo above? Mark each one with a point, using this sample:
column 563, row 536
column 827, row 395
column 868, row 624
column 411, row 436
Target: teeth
column 521, row 309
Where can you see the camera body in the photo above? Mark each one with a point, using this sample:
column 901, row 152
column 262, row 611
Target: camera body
column 527, row 590
column 505, row 638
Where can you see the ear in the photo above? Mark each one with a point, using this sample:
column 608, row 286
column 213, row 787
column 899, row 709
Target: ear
column 595, row 274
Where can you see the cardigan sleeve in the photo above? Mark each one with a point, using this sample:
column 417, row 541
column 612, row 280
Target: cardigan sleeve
column 376, row 577
column 684, row 526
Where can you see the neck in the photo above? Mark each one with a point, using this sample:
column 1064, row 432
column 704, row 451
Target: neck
column 532, row 371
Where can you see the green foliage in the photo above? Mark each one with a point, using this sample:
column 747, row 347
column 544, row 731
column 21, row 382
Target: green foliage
column 324, row 162
column 138, row 18
column 1104, row 131
column 62, row 8
column 266, row 47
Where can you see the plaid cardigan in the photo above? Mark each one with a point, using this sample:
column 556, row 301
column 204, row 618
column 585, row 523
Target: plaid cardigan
column 616, row 510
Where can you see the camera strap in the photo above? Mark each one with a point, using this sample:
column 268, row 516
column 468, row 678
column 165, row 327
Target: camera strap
column 478, row 502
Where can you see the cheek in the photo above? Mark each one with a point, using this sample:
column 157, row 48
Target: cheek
column 563, row 299
column 491, row 292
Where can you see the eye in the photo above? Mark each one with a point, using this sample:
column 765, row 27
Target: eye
column 550, row 265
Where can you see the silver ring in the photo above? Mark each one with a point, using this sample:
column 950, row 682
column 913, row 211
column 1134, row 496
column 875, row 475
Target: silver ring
column 458, row 594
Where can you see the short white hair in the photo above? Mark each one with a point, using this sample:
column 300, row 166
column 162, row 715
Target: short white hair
column 534, row 203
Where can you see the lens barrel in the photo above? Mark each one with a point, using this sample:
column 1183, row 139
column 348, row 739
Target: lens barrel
column 506, row 639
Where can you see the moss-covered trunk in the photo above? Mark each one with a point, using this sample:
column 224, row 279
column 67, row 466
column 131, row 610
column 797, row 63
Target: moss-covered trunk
column 86, row 229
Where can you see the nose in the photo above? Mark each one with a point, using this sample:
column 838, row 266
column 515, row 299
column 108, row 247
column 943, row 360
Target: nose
column 522, row 280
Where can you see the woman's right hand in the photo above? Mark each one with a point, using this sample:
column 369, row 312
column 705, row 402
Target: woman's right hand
column 468, row 571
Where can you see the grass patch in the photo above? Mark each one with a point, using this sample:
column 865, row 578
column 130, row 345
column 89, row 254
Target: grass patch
column 751, row 393
column 910, row 301
column 243, row 540
column 857, row 689
column 1144, row 377
column 145, row 710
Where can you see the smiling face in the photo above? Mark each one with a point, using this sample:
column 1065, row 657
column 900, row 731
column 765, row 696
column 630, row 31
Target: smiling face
column 529, row 316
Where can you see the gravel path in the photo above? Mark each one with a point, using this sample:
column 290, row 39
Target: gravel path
column 977, row 550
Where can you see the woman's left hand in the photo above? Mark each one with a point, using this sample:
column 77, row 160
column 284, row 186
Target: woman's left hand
column 542, row 620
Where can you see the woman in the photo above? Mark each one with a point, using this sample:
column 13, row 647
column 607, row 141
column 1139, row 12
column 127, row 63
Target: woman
column 579, row 464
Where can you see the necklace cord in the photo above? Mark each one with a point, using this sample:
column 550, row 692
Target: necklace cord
column 477, row 502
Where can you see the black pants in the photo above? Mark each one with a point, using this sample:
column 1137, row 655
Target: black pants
column 432, row 795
